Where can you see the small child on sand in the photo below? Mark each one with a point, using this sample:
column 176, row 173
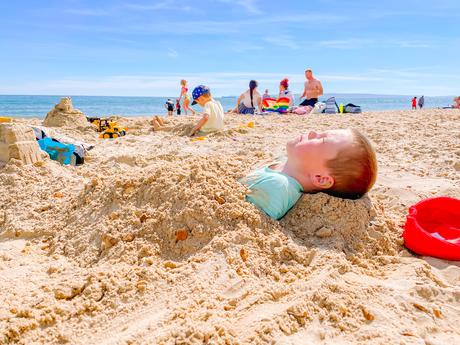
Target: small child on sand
column 340, row 162
column 178, row 106
column 213, row 113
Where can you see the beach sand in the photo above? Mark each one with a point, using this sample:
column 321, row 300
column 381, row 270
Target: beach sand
column 152, row 242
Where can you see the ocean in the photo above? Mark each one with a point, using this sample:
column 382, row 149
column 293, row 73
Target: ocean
column 39, row 106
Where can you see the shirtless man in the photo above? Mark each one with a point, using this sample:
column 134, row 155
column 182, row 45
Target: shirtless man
column 313, row 89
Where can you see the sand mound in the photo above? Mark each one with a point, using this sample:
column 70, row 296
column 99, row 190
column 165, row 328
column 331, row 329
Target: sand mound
column 174, row 211
column 64, row 114
column 167, row 211
column 326, row 221
column 18, row 142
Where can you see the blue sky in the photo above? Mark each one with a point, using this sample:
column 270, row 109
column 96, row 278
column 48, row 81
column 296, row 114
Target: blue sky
column 143, row 48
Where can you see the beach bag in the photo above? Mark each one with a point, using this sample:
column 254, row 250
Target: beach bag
column 352, row 109
column 318, row 108
column 331, row 106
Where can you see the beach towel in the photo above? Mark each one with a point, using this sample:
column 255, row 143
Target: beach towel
column 331, row 106
column 63, row 153
column 352, row 109
column 280, row 105
column 303, row 110
column 78, row 149
column 318, row 108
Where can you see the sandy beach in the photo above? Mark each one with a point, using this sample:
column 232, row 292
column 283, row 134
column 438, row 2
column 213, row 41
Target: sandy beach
column 151, row 241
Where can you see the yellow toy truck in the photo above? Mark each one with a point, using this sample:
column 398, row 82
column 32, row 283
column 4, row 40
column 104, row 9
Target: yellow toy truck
column 107, row 127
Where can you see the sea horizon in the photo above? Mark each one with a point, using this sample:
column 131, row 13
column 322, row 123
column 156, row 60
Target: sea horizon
column 39, row 105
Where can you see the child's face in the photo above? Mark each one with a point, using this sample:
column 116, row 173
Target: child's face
column 310, row 152
column 203, row 99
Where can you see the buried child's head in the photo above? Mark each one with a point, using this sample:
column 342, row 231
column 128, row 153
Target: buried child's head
column 340, row 162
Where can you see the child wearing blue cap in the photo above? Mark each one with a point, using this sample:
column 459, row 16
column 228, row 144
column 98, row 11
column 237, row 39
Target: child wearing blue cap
column 213, row 113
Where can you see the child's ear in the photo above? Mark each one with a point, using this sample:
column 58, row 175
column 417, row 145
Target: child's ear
column 323, row 181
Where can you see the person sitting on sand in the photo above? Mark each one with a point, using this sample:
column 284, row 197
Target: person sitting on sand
column 184, row 93
column 213, row 113
column 249, row 100
column 285, row 92
column 341, row 163
column 266, row 95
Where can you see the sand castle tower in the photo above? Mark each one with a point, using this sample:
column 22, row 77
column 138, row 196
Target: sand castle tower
column 64, row 114
column 17, row 141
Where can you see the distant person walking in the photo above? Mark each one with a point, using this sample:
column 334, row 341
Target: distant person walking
column 421, row 102
column 184, row 93
column 414, row 103
column 312, row 89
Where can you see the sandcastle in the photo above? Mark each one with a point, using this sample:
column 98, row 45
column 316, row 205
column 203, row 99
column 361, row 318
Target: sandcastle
column 64, row 114
column 18, row 142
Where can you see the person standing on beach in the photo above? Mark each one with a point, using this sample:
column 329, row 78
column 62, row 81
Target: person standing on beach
column 184, row 93
column 312, row 90
column 414, row 103
column 421, row 102
column 169, row 105
column 178, row 106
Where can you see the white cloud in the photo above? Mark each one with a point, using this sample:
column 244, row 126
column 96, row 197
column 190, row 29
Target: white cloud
column 284, row 41
column 350, row 43
column 233, row 83
column 87, row 12
column 414, row 44
column 172, row 53
column 249, row 6
column 380, row 42
column 162, row 5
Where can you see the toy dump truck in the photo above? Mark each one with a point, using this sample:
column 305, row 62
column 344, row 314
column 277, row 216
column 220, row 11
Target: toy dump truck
column 108, row 128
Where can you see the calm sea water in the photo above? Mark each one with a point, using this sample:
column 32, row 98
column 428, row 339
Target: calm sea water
column 38, row 106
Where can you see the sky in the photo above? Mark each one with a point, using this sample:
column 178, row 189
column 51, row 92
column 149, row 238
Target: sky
column 144, row 48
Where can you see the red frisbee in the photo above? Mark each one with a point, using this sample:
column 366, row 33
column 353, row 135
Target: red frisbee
column 433, row 228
